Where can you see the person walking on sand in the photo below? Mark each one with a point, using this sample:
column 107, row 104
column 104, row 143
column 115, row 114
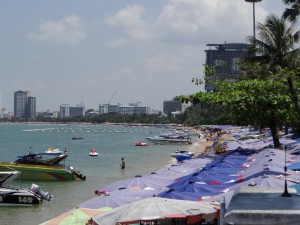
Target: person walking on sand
column 122, row 164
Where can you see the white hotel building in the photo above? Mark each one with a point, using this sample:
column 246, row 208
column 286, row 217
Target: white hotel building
column 125, row 110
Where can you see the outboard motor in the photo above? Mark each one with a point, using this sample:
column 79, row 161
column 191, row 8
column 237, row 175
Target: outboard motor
column 44, row 195
column 76, row 173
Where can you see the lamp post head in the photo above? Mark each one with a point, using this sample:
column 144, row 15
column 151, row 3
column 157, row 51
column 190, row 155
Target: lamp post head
column 253, row 1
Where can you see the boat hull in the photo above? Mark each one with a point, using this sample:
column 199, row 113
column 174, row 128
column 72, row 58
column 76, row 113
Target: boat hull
column 39, row 172
column 164, row 141
column 174, row 154
column 11, row 197
column 181, row 157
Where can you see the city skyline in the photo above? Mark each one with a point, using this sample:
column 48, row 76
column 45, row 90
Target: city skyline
column 25, row 106
column 28, row 96
column 85, row 51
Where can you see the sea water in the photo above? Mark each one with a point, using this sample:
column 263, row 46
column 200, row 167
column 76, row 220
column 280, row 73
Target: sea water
column 111, row 142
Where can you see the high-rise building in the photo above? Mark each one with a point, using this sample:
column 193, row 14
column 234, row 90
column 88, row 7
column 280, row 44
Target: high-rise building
column 172, row 106
column 21, row 104
column 225, row 58
column 64, row 110
column 133, row 108
column 71, row 111
column 77, row 110
column 31, row 113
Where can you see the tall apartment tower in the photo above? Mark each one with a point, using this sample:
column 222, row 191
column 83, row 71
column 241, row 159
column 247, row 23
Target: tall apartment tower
column 31, row 113
column 24, row 105
column 172, row 106
column 64, row 110
column 225, row 58
column 20, row 104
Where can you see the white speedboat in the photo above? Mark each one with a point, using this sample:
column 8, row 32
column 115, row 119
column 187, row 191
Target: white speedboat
column 170, row 139
column 54, row 151
column 16, row 196
column 93, row 152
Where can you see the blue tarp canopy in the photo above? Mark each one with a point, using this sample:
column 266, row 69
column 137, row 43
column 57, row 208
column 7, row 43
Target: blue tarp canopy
column 294, row 166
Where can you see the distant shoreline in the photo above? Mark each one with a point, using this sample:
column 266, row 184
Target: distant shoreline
column 106, row 123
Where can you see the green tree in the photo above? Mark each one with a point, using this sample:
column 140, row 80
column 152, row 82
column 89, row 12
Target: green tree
column 276, row 48
column 260, row 102
column 291, row 13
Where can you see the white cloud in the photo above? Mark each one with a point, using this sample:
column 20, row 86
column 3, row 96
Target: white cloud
column 116, row 43
column 68, row 31
column 130, row 20
column 130, row 16
column 164, row 62
column 188, row 21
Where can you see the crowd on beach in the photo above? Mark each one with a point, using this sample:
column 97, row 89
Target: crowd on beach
column 227, row 159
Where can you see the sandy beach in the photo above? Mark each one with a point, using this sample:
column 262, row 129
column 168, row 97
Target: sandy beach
column 201, row 145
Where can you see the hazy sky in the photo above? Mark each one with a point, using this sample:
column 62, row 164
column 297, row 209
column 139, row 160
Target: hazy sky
column 117, row 51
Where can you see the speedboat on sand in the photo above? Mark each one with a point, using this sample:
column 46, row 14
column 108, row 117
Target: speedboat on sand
column 180, row 157
column 42, row 166
column 175, row 153
column 93, row 152
column 16, row 196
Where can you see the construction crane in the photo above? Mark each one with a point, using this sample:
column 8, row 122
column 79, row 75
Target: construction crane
column 112, row 97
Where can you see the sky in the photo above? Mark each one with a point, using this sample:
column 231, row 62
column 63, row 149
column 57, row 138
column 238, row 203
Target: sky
column 115, row 51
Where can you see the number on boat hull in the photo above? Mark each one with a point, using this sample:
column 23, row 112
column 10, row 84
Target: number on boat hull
column 25, row 200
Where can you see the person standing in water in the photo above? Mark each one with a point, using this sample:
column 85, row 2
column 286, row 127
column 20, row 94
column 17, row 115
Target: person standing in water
column 122, row 164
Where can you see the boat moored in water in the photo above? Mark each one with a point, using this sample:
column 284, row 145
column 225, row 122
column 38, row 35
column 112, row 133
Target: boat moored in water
column 53, row 151
column 93, row 152
column 77, row 138
column 43, row 166
column 179, row 139
column 138, row 143
column 16, row 196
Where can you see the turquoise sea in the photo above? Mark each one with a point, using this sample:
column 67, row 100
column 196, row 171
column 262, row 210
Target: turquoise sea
column 111, row 142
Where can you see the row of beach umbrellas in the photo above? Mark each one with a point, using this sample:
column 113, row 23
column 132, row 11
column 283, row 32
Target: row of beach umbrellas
column 194, row 186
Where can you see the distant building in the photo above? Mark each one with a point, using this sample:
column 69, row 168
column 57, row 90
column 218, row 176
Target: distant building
column 133, row 108
column 49, row 114
column 31, row 107
column 64, row 110
column 225, row 58
column 20, row 103
column 24, row 105
column 171, row 106
column 129, row 110
column 71, row 111
column 92, row 113
column 3, row 113
column 78, row 110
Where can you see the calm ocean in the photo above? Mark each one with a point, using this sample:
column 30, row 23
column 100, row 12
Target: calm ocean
column 111, row 142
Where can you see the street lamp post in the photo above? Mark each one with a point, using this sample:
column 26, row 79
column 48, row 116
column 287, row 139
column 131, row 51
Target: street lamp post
column 253, row 1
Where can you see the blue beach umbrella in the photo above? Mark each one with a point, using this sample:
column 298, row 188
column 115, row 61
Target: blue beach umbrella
column 179, row 195
column 294, row 166
column 139, row 182
column 117, row 198
column 202, row 189
column 297, row 187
